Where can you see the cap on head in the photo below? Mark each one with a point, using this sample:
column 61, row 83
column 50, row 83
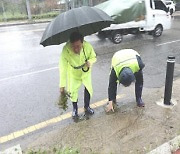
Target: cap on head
column 126, row 77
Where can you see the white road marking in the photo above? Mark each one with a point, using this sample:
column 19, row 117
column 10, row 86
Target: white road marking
column 31, row 73
column 168, row 42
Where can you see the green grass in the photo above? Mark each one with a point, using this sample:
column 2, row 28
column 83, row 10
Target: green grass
column 55, row 151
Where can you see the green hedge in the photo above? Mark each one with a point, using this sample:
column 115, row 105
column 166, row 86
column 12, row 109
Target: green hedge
column 15, row 17
column 45, row 16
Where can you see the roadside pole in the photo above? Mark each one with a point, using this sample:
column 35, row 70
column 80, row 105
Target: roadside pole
column 4, row 13
column 28, row 10
column 72, row 4
column 169, row 80
column 67, row 5
column 90, row 2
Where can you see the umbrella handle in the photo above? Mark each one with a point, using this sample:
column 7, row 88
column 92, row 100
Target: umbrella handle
column 85, row 70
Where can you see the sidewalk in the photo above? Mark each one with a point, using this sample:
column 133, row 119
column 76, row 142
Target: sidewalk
column 129, row 130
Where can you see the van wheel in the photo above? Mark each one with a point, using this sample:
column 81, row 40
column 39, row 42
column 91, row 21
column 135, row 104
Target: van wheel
column 116, row 37
column 158, row 31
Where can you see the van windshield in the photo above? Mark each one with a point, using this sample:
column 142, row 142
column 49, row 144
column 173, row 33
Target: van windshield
column 159, row 5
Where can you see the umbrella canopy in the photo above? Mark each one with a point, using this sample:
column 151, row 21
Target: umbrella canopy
column 86, row 20
column 123, row 11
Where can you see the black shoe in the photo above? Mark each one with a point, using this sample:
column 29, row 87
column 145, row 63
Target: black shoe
column 75, row 114
column 89, row 111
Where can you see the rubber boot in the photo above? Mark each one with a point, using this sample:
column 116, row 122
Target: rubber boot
column 138, row 92
column 75, row 110
column 87, row 109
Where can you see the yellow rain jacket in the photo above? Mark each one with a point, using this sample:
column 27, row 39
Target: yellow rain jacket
column 72, row 78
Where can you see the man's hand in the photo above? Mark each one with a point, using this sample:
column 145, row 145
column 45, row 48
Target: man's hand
column 110, row 107
column 88, row 64
column 62, row 90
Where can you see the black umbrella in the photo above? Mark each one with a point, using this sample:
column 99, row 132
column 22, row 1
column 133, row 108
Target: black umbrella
column 86, row 20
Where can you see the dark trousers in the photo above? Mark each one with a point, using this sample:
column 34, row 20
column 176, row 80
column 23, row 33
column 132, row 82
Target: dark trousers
column 86, row 99
column 138, row 85
column 139, row 77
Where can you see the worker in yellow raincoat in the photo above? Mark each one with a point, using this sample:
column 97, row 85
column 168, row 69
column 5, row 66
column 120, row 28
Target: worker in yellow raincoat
column 75, row 66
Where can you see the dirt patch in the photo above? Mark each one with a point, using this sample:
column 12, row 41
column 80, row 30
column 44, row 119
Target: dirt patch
column 129, row 130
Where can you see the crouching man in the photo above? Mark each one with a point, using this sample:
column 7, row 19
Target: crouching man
column 126, row 68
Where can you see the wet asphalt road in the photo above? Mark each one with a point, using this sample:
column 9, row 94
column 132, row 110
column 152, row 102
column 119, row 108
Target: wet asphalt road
column 29, row 75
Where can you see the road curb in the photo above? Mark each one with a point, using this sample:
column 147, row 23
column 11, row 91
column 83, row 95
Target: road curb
column 13, row 150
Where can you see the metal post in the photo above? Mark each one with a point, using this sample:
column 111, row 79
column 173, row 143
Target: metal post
column 90, row 2
column 169, row 80
column 72, row 4
column 4, row 13
column 28, row 10
column 66, row 4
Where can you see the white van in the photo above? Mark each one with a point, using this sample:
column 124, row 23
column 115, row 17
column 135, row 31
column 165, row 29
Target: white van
column 156, row 20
